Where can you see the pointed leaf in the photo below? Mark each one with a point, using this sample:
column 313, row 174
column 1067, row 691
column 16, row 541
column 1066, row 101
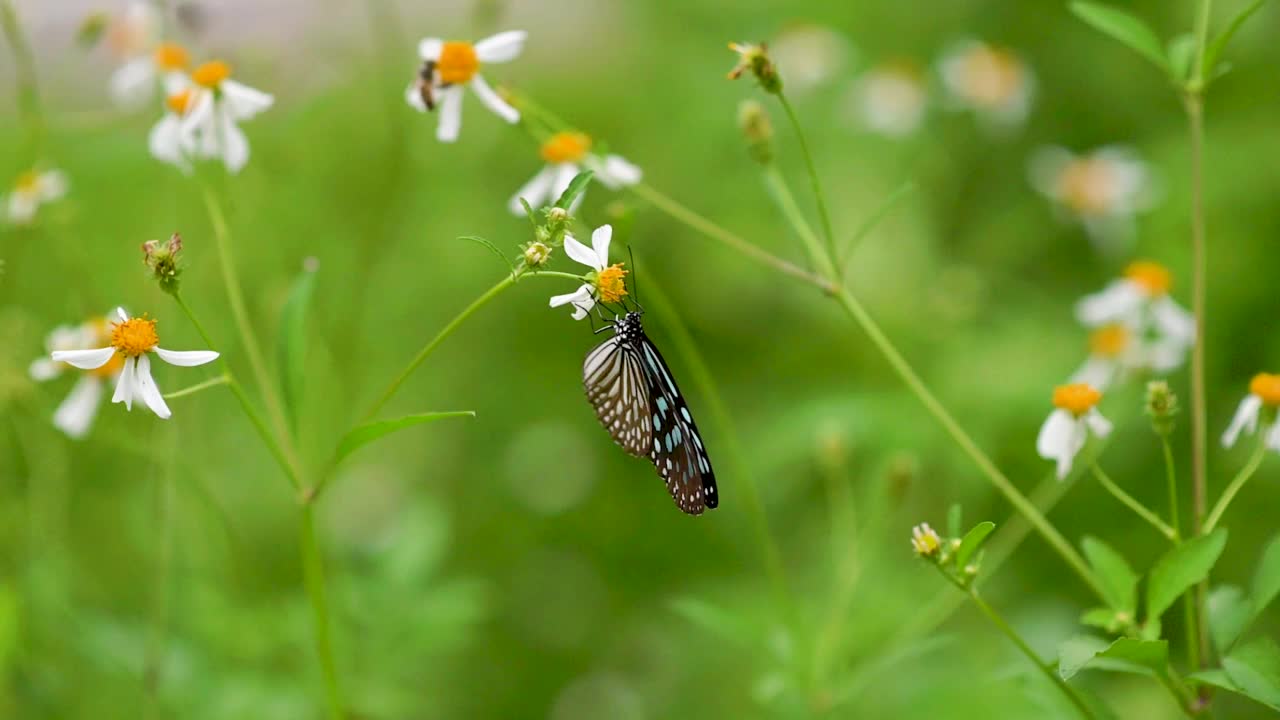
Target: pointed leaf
column 1128, row 29
column 576, row 187
column 364, row 434
column 492, row 248
column 1150, row 654
column 1076, row 652
column 291, row 344
column 1255, row 669
column 955, row 517
column 1182, row 52
column 1229, row 613
column 1103, row 618
column 972, row 541
column 1119, row 581
column 1180, row 568
column 1266, row 579
column 1215, row 677
column 1215, row 48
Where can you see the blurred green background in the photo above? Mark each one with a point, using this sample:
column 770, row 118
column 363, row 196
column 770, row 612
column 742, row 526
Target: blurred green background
column 519, row 564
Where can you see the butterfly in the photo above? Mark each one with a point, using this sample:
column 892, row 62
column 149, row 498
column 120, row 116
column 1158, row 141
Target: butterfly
column 638, row 402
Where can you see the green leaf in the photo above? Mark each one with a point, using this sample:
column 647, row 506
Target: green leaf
column 716, row 620
column 1119, row 581
column 1255, row 669
column 1076, row 652
column 1125, row 28
column 291, row 344
column 972, row 540
column 1215, row 677
column 1215, row 48
column 492, row 248
column 364, row 434
column 1150, row 654
column 1180, row 568
column 1103, row 618
column 1229, row 613
column 1124, row 655
column 955, row 517
column 1182, row 51
column 576, row 187
column 1266, row 579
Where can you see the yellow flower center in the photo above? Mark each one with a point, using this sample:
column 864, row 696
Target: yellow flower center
column 457, row 63
column 1077, row 398
column 211, row 74
column 1109, row 341
column 180, row 102
column 1267, row 387
column 1152, row 277
column 990, row 76
column 171, row 56
column 134, row 336
column 565, row 147
column 610, row 283
column 924, row 540
column 1087, row 186
column 28, row 182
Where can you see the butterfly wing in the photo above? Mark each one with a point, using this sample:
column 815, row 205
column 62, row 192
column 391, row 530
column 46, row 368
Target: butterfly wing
column 677, row 450
column 619, row 391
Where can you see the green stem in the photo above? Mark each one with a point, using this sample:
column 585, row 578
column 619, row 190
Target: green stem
column 786, row 201
column 313, row 573
column 1189, row 619
column 1133, row 504
column 25, row 76
column 823, row 215
column 222, row 379
column 1171, row 480
column 1236, row 483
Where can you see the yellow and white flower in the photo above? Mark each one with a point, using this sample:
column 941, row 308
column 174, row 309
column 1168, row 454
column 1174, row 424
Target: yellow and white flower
column 449, row 65
column 1074, row 418
column 209, row 111
column 890, row 100
column 566, row 154
column 925, row 540
column 166, row 140
column 75, row 414
column 134, row 340
column 1260, row 405
column 1140, row 301
column 605, row 282
column 993, row 82
column 31, row 190
column 1102, row 189
column 134, row 38
column 1119, row 350
column 809, row 55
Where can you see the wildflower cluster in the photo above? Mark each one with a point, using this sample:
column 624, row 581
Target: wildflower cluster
column 958, row 558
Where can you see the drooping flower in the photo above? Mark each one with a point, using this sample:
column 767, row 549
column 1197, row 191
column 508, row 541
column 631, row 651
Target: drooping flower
column 566, row 153
column 993, row 82
column 809, row 55
column 31, row 190
column 890, row 100
column 605, row 282
column 134, row 340
column 1074, row 418
column 1140, row 301
column 925, row 540
column 1103, row 189
column 134, row 83
column 209, row 112
column 75, row 414
column 1259, row 406
column 449, row 65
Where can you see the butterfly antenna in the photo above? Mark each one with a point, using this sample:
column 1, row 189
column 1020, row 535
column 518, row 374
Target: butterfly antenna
column 635, row 287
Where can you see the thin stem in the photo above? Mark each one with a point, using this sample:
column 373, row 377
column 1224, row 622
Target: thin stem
column 1133, row 504
column 1171, row 480
column 222, row 379
column 313, row 574
column 786, row 201
column 1236, row 483
column 1189, row 619
column 823, row 215
column 1202, row 43
column 25, row 75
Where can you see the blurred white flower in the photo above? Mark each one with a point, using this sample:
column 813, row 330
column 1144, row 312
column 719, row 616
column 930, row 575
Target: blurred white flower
column 890, row 100
column 1074, row 418
column 925, row 540
column 448, row 65
column 1102, row 189
column 808, row 55
column 134, row 339
column 31, row 190
column 604, row 282
column 1118, row 351
column 1140, row 302
column 134, row 83
column 75, row 414
column 993, row 82
column 566, row 153
column 1264, row 394
column 211, row 113
column 166, row 140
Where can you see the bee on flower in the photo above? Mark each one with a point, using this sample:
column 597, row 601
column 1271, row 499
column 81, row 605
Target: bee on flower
column 75, row 414
column 605, row 283
column 566, row 154
column 448, row 65
column 132, row 341
column 1074, row 418
column 1258, row 407
column 202, row 119
column 1102, row 190
column 809, row 55
column 1140, row 303
column 31, row 190
column 991, row 81
column 890, row 100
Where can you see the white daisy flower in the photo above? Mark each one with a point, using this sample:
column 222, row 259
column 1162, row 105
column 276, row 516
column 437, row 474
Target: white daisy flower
column 993, row 82
column 134, row 83
column 166, row 140
column 1259, row 405
column 134, row 340
column 75, row 414
column 890, row 100
column 1141, row 300
column 1103, row 189
column 566, row 153
column 605, row 281
column 211, row 112
column 31, row 190
column 925, row 540
column 449, row 65
column 1074, row 418
column 809, row 55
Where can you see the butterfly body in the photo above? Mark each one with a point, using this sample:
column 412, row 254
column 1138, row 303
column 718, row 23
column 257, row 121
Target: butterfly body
column 639, row 403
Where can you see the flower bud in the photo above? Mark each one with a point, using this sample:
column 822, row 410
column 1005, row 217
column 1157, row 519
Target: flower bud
column 162, row 259
column 756, row 127
column 1162, row 407
column 755, row 59
column 536, row 254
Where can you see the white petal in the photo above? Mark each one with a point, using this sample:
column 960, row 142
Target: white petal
column 600, row 243
column 450, row 114
column 120, row 313
column 413, row 96
column 503, row 47
column 565, row 173
column 84, row 359
column 1098, row 425
column 43, row 369
column 1097, row 372
column 1174, row 321
column 583, row 293
column 186, row 358
column 1060, row 438
column 234, row 144
column 21, row 207
column 199, row 127
column 618, row 173
column 1273, row 437
column 175, row 82
column 133, row 83
column 126, row 384
column 1166, row 354
column 580, row 309
column 147, row 388
column 242, row 101
column 581, row 253
column 76, row 413
column 1246, row 418
column 429, row 48
column 492, row 100
column 536, row 192
column 1120, row 301
column 53, row 185
column 165, row 142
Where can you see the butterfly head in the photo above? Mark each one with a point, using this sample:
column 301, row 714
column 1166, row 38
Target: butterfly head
column 628, row 326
